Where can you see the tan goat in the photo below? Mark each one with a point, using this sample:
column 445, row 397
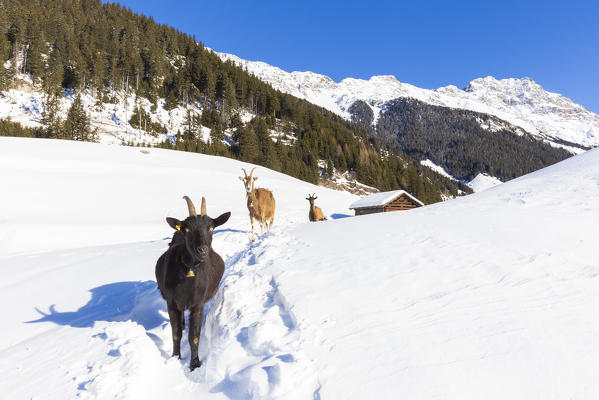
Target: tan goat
column 260, row 203
column 316, row 213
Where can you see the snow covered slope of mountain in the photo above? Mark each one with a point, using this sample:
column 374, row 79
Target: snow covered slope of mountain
column 482, row 182
column 521, row 102
column 478, row 184
column 25, row 105
column 114, row 194
column 492, row 295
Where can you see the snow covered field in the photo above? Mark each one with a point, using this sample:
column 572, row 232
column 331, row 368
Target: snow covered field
column 489, row 296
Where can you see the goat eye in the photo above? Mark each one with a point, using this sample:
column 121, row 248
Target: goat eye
column 186, row 229
column 211, row 228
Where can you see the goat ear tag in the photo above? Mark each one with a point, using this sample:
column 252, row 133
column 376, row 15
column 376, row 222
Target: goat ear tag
column 190, row 274
column 178, row 227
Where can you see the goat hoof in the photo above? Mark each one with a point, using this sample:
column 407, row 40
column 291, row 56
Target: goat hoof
column 195, row 363
column 175, row 354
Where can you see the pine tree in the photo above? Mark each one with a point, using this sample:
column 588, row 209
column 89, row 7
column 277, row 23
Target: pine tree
column 33, row 61
column 248, row 145
column 50, row 117
column 329, row 169
column 191, row 129
column 216, row 133
column 267, row 148
column 5, row 75
column 77, row 125
column 228, row 98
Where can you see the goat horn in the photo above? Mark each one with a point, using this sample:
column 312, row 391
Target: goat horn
column 252, row 172
column 245, row 172
column 190, row 206
column 203, row 207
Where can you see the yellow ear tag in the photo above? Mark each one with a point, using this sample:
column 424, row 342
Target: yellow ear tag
column 178, row 227
column 190, row 274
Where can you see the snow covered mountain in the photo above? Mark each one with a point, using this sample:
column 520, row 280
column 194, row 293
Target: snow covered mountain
column 521, row 102
column 483, row 296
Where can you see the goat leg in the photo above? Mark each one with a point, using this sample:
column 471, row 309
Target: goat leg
column 176, row 326
column 252, row 221
column 196, row 315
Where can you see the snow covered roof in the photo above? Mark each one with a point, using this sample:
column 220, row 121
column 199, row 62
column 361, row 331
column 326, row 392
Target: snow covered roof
column 382, row 198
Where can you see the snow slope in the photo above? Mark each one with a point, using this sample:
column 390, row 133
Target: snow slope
column 479, row 183
column 113, row 194
column 482, row 182
column 492, row 295
column 437, row 168
column 521, row 102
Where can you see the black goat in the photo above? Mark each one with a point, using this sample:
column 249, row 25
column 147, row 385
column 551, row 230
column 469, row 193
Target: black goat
column 188, row 274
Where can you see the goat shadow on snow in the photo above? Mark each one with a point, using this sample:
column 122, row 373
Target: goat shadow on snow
column 135, row 301
column 139, row 302
column 229, row 230
column 339, row 216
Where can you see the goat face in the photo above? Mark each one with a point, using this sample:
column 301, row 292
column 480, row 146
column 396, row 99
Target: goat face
column 311, row 199
column 248, row 180
column 197, row 233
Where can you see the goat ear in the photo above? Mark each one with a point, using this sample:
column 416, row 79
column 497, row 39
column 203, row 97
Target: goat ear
column 174, row 223
column 221, row 219
column 255, row 177
column 241, row 178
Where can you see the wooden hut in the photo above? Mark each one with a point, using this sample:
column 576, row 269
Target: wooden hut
column 385, row 201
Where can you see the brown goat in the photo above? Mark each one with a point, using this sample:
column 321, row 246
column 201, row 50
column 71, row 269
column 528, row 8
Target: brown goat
column 260, row 203
column 315, row 213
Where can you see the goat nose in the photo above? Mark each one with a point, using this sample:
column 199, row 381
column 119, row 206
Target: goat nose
column 203, row 250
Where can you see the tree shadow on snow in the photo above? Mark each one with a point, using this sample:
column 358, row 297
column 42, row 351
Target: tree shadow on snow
column 139, row 302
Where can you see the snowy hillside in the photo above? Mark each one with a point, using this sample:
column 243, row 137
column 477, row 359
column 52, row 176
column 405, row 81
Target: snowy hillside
column 482, row 182
column 492, row 295
column 25, row 105
column 478, row 184
column 113, row 194
column 521, row 102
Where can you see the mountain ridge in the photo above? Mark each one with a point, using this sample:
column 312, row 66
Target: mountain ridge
column 548, row 116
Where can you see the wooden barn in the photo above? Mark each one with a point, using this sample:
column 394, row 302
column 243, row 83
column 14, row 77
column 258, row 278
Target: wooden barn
column 385, row 201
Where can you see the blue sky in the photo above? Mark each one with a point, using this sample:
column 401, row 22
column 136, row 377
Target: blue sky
column 426, row 43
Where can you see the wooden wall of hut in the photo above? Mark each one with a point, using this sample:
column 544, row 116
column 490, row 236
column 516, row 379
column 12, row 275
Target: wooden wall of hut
column 403, row 202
